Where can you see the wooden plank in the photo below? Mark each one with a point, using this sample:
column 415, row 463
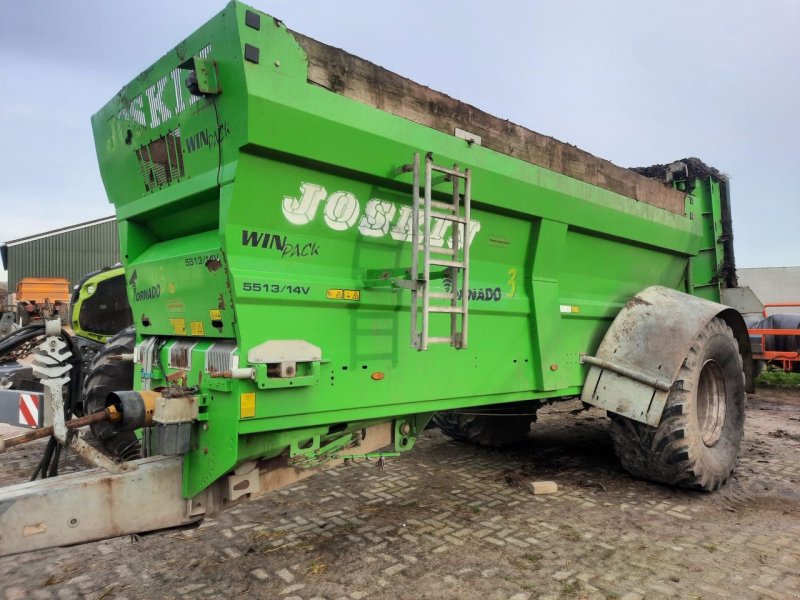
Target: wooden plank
column 361, row 80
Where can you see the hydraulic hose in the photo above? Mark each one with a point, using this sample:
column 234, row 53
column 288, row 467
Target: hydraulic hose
column 19, row 337
column 48, row 465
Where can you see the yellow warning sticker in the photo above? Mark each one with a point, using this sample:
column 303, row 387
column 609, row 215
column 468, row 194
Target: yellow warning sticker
column 216, row 314
column 178, row 326
column 247, row 405
column 569, row 308
column 197, row 327
column 352, row 295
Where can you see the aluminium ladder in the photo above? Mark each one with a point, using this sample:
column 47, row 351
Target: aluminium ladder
column 454, row 258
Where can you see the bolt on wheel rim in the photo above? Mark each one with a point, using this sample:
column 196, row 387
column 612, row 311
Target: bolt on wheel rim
column 711, row 403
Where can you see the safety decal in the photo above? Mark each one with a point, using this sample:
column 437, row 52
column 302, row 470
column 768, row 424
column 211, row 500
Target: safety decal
column 247, row 405
column 351, row 295
column 178, row 326
column 28, row 410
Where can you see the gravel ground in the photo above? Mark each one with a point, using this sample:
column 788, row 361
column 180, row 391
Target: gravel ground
column 453, row 521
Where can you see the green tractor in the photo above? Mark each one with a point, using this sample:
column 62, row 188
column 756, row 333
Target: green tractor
column 99, row 337
column 103, row 326
column 99, row 305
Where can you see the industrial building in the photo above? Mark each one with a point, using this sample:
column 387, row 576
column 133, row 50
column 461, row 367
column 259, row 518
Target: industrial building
column 69, row 252
column 773, row 285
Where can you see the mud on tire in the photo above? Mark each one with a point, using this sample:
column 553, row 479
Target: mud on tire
column 481, row 427
column 109, row 375
column 697, row 442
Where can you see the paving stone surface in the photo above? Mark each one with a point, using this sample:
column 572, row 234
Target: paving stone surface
column 453, row 521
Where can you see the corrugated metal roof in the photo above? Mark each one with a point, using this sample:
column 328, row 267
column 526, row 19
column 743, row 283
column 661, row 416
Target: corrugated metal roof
column 37, row 236
column 69, row 252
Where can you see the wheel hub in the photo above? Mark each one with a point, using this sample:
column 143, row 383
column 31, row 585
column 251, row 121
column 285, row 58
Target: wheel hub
column 711, row 403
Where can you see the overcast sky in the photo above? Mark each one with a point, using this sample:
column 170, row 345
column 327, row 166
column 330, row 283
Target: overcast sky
column 634, row 82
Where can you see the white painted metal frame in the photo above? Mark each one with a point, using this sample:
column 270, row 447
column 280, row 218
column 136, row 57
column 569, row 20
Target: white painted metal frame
column 457, row 261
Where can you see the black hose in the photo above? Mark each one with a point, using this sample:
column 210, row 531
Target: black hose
column 44, row 462
column 30, row 327
column 18, row 338
column 76, row 375
column 20, row 334
column 26, row 328
column 53, row 470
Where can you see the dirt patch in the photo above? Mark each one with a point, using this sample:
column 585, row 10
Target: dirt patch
column 783, row 434
column 449, row 520
column 637, row 301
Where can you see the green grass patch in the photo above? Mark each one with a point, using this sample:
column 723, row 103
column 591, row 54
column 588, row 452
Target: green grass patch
column 571, row 588
column 570, row 533
column 534, row 557
column 779, row 378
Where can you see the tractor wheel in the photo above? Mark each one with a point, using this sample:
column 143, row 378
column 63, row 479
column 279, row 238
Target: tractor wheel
column 758, row 367
column 485, row 429
column 697, row 442
column 107, row 375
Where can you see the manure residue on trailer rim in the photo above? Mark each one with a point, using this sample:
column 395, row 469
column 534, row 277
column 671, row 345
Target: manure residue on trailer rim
column 696, row 169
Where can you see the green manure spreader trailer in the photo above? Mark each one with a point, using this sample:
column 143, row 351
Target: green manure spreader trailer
column 321, row 256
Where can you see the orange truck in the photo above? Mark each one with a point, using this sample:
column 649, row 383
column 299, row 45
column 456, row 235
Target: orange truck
column 42, row 297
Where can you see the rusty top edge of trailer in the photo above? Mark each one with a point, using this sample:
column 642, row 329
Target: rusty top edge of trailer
column 366, row 82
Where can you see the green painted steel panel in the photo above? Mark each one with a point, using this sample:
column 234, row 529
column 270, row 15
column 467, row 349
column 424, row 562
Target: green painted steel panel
column 243, row 213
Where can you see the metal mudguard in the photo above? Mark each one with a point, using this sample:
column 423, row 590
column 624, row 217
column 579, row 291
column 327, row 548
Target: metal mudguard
column 643, row 350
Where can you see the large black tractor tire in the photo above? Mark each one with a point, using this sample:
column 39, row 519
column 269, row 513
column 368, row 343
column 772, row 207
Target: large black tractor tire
column 491, row 426
column 697, row 441
column 107, row 374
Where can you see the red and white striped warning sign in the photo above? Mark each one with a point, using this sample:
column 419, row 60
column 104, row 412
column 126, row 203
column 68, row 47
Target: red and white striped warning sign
column 28, row 410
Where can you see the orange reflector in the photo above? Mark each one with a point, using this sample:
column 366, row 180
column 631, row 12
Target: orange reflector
column 377, row 376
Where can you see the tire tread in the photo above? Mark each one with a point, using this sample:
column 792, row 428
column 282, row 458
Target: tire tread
column 488, row 431
column 667, row 453
column 104, row 376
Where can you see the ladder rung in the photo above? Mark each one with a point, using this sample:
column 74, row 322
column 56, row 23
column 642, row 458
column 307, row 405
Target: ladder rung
column 445, row 217
column 442, row 205
column 439, row 249
column 440, row 295
column 445, row 309
column 452, row 172
column 447, row 263
column 444, row 210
